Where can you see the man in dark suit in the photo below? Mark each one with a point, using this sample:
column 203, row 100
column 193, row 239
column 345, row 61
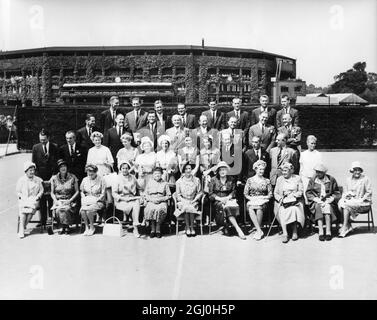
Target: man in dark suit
column 153, row 129
column 83, row 134
column 45, row 154
column 286, row 109
column 215, row 118
column 241, row 116
column 265, row 132
column 74, row 155
column 253, row 155
column 107, row 119
column 162, row 119
column 205, row 130
column 112, row 137
column 263, row 108
column 188, row 120
column 137, row 118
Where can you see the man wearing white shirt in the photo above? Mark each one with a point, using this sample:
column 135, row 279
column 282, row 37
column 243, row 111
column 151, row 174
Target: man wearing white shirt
column 265, row 132
column 286, row 109
column 216, row 118
column 188, row 120
column 137, row 118
column 161, row 117
column 271, row 112
column 84, row 133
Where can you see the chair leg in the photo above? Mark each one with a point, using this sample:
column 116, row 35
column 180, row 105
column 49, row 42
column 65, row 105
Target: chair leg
column 201, row 228
column 18, row 224
column 176, row 228
column 372, row 219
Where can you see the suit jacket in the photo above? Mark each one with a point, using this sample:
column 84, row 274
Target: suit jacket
column 267, row 138
column 46, row 164
column 76, row 162
column 112, row 141
column 219, row 124
column 130, row 121
column 294, row 114
column 166, row 121
column 243, row 122
column 293, row 136
column 177, row 140
column 271, row 116
column 190, row 121
column 287, row 155
column 210, row 132
column 106, row 121
column 331, row 189
column 157, row 132
column 249, row 158
column 83, row 139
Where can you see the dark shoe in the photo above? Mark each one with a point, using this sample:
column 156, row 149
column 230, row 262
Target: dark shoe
column 328, row 237
column 158, row 235
column 152, row 235
column 193, row 233
column 285, row 239
column 321, row 237
column 62, row 232
column 67, row 231
column 295, row 237
column 226, row 231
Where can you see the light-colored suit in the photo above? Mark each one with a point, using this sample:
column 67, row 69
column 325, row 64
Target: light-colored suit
column 287, row 155
column 130, row 120
column 177, row 139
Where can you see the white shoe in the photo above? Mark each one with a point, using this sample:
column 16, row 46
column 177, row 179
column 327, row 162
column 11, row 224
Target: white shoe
column 21, row 235
column 258, row 235
column 136, row 232
column 91, row 232
column 85, row 232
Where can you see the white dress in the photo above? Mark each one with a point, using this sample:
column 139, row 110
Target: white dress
column 308, row 160
column 102, row 158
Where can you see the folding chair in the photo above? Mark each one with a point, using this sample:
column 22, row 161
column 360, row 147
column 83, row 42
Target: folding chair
column 198, row 217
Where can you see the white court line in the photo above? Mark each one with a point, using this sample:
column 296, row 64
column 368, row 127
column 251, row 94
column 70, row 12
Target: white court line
column 5, row 210
column 178, row 277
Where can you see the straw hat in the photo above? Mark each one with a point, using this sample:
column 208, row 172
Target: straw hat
column 320, row 167
column 28, row 165
column 356, row 164
column 222, row 164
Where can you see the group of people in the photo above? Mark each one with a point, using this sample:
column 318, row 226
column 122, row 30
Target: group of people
column 151, row 167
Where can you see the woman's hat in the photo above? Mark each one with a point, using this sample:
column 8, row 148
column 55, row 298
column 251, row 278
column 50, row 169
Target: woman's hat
column 28, row 165
column 145, row 140
column 320, row 167
column 158, row 169
column 163, row 138
column 91, row 167
column 61, row 162
column 126, row 135
column 124, row 162
column 356, row 164
column 259, row 163
column 222, row 164
column 96, row 134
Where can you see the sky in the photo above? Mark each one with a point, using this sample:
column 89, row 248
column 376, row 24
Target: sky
column 326, row 37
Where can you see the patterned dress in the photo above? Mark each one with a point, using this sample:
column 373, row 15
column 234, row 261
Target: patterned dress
column 145, row 163
column 156, row 190
column 28, row 190
column 167, row 161
column 256, row 187
column 64, row 189
column 124, row 187
column 361, row 200
column 208, row 159
column 94, row 194
column 219, row 189
column 187, row 190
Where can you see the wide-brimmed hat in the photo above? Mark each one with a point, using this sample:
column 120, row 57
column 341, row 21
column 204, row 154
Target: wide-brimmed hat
column 120, row 164
column 356, row 164
column 61, row 162
column 320, row 167
column 222, row 164
column 145, row 140
column 91, row 167
column 28, row 165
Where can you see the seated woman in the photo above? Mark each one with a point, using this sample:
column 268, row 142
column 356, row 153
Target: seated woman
column 157, row 193
column 208, row 159
column 222, row 192
column 64, row 192
column 29, row 190
column 189, row 193
column 322, row 194
column 356, row 198
column 128, row 152
column 258, row 192
column 125, row 194
column 92, row 197
column 289, row 194
column 189, row 153
column 166, row 159
column 145, row 162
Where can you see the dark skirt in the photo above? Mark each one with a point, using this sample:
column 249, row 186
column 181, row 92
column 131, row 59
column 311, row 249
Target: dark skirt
column 316, row 211
column 221, row 213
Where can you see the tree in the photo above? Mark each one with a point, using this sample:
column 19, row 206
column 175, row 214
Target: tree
column 352, row 81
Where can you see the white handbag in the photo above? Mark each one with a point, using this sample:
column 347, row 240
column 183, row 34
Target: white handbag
column 113, row 229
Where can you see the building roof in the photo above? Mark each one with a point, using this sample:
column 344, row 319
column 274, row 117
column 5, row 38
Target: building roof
column 51, row 50
column 330, row 99
column 348, row 98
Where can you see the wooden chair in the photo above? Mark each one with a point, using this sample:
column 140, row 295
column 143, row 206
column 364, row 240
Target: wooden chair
column 198, row 217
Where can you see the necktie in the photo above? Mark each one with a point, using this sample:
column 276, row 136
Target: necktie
column 183, row 121
column 137, row 117
column 70, row 150
column 286, row 110
column 120, row 132
column 263, row 129
column 237, row 115
column 279, row 155
column 214, row 116
column 90, row 132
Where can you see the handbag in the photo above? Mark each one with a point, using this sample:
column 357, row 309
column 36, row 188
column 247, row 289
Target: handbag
column 289, row 201
column 113, row 229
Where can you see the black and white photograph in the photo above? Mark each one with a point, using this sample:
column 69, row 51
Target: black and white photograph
column 178, row 150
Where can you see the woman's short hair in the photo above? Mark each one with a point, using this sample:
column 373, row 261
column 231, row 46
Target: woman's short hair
column 163, row 138
column 311, row 138
column 187, row 164
column 287, row 165
column 259, row 164
column 91, row 167
column 145, row 140
column 96, row 134
column 126, row 136
column 207, row 138
column 122, row 163
column 176, row 116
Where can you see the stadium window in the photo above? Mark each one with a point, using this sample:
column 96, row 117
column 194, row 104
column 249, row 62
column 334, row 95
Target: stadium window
column 284, row 89
column 298, row 89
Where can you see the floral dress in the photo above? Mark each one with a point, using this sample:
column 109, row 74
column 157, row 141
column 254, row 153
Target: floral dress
column 156, row 190
column 94, row 194
column 187, row 190
column 256, row 187
column 145, row 163
column 168, row 162
column 64, row 189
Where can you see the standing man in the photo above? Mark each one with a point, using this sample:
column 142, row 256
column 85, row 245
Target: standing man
column 215, row 118
column 176, row 133
column 265, row 132
column 162, row 119
column 74, row 155
column 45, row 154
column 271, row 112
column 280, row 154
column 137, row 118
column 112, row 137
column 241, row 116
column 153, row 129
column 107, row 120
column 188, row 120
column 84, row 133
column 205, row 130
column 286, row 109
column 292, row 132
